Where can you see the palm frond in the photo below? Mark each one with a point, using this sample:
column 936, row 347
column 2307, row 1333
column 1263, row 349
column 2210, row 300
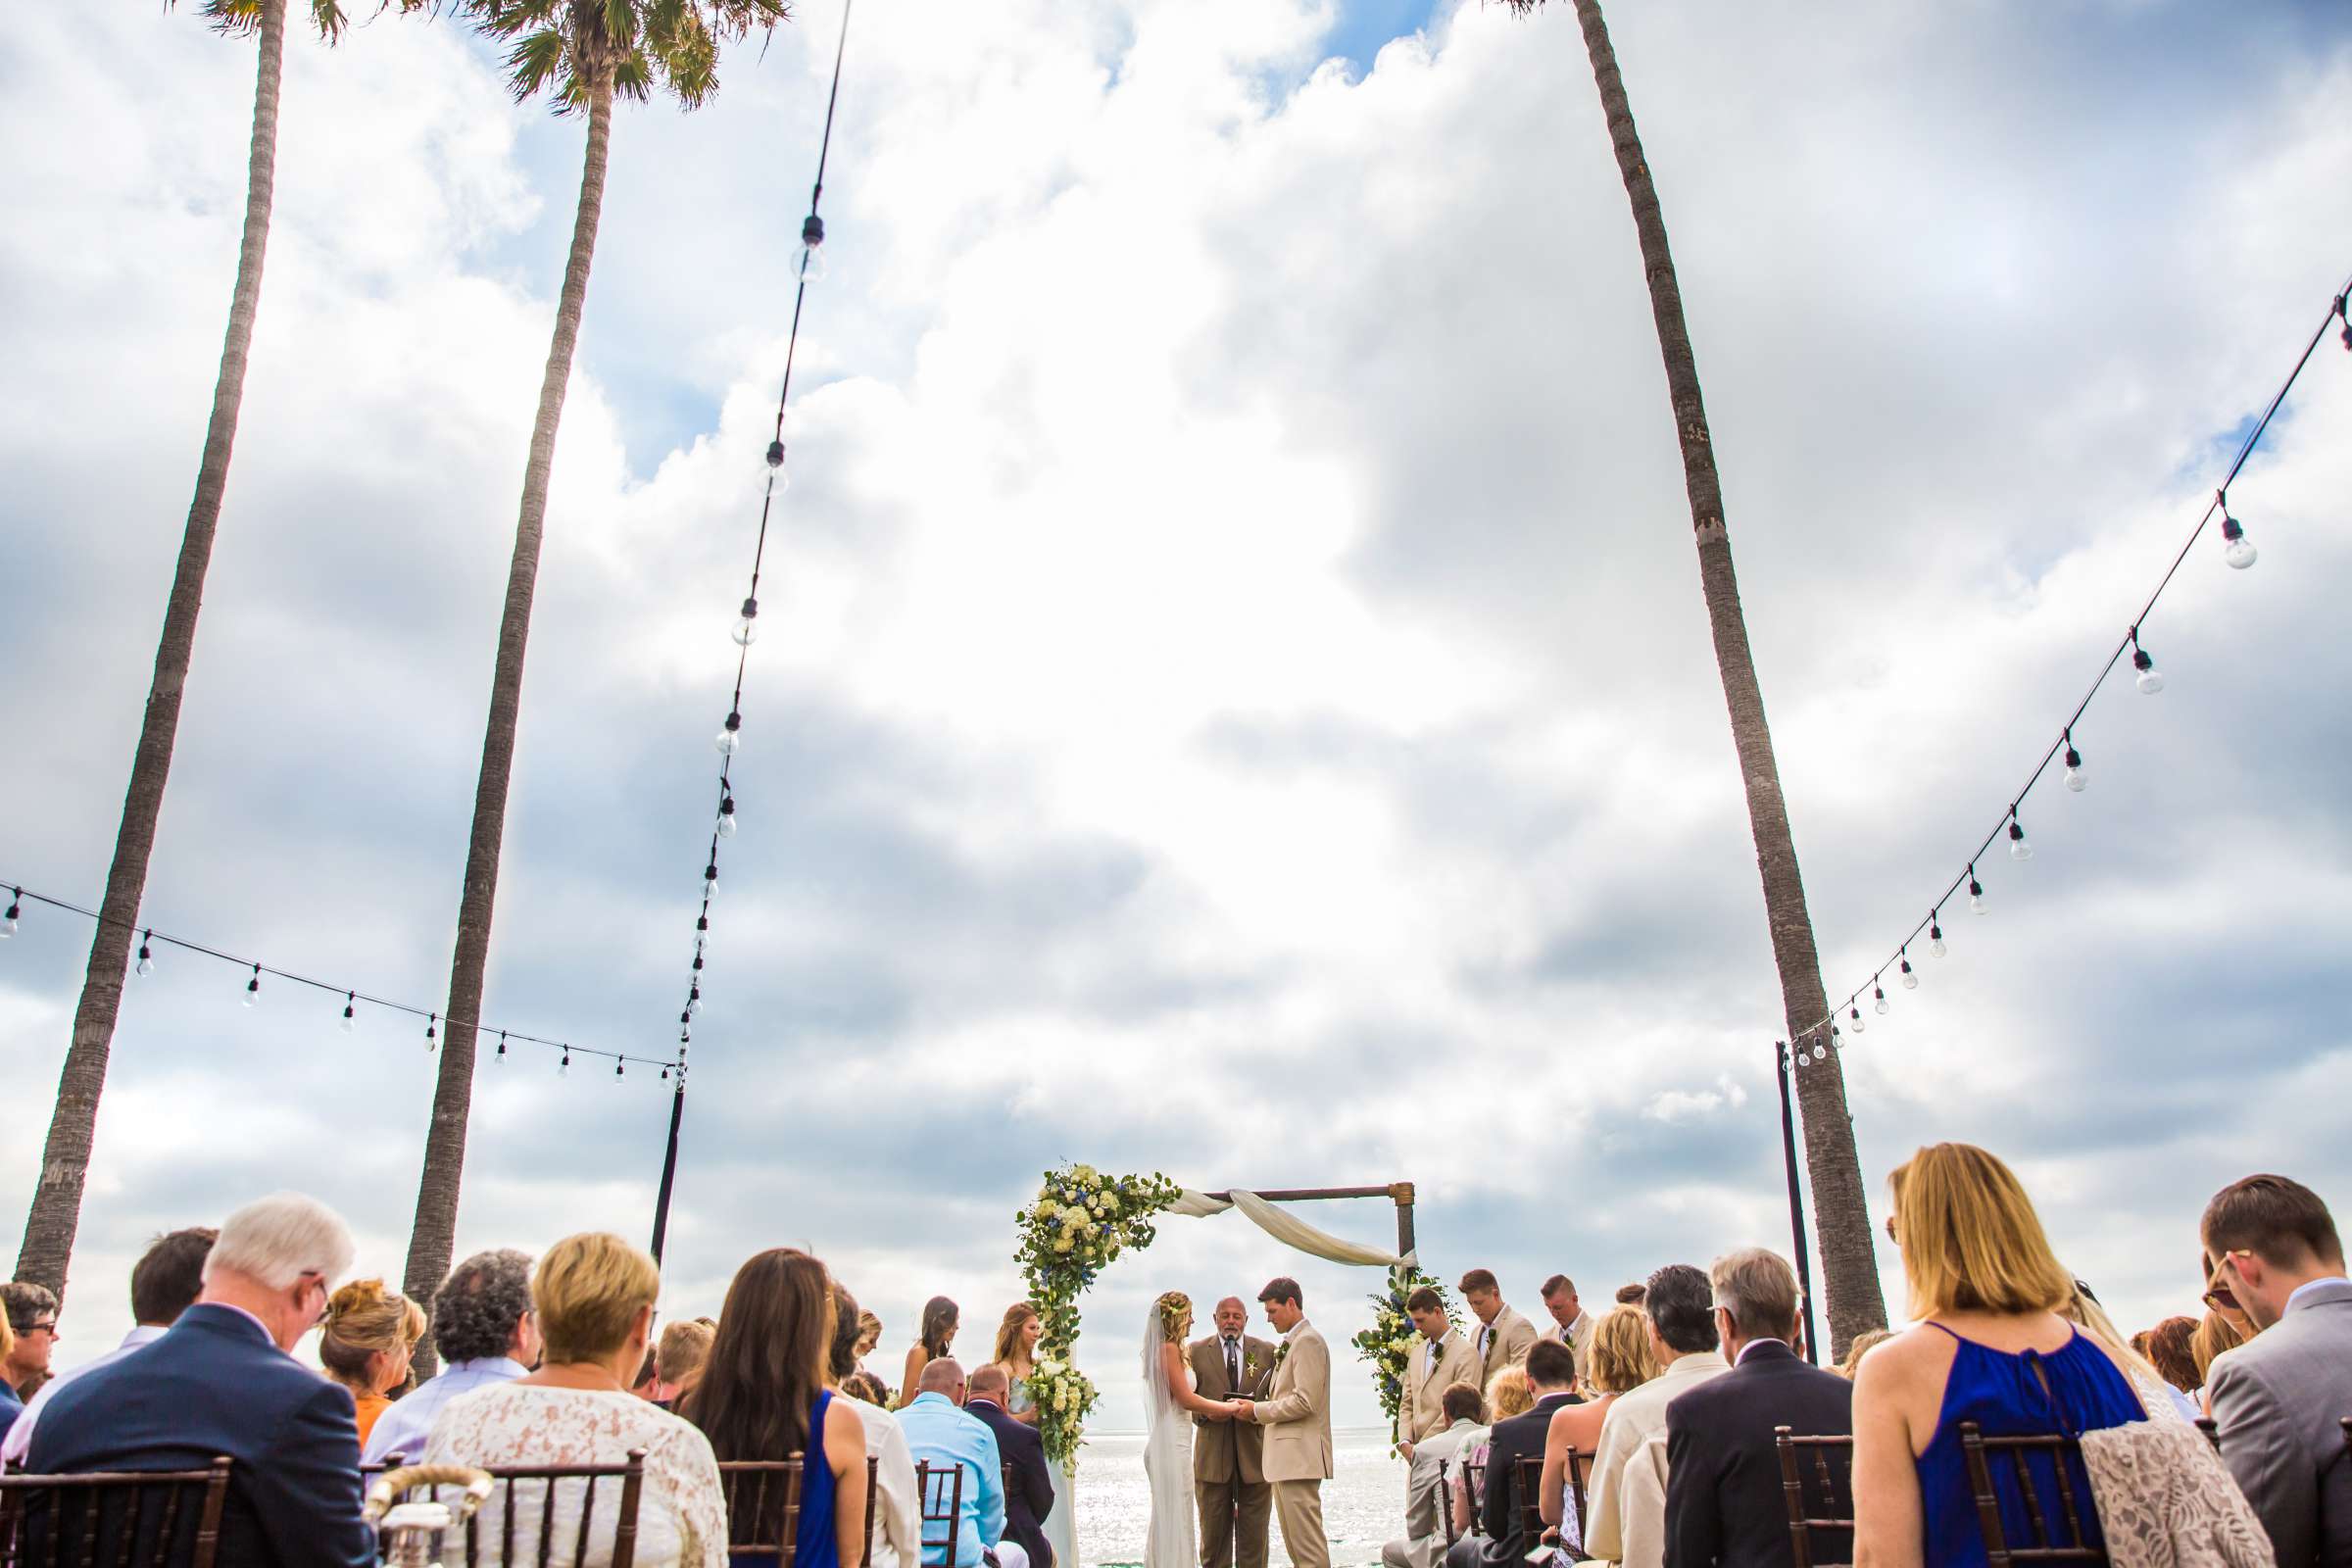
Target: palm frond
column 536, row 60
column 328, row 17
column 234, row 18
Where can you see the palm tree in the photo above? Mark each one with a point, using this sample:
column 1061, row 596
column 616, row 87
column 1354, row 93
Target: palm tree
column 56, row 1212
column 588, row 52
column 1840, row 1215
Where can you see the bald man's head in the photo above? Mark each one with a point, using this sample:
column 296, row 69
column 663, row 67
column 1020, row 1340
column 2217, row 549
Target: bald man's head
column 989, row 1383
column 944, row 1375
column 1231, row 1316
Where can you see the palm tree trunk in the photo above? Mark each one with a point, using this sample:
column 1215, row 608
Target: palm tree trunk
column 56, row 1212
column 1840, row 1214
column 434, row 1234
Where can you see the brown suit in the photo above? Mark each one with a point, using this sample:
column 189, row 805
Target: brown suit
column 1229, row 1478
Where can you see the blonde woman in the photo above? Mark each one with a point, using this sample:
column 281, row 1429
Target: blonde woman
column 1017, row 1353
column 1863, row 1344
column 1990, row 1347
column 1508, row 1393
column 2155, row 1393
column 1169, row 1404
column 366, row 1343
column 1620, row 1360
column 593, row 1296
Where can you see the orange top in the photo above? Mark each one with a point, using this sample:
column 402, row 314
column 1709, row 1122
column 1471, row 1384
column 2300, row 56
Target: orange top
column 371, row 1405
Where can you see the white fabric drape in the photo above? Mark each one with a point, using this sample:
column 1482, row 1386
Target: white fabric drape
column 1289, row 1230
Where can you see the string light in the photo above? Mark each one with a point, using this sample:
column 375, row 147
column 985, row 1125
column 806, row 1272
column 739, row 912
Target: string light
column 1855, row 1013
column 564, row 1067
column 1877, row 997
column 617, row 1069
column 730, row 734
column 748, row 627
column 501, row 1059
column 150, row 939
column 15, row 908
column 2239, row 551
column 809, row 260
column 727, row 816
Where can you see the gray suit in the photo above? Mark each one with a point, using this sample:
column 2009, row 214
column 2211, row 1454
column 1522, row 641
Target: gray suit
column 2279, row 1400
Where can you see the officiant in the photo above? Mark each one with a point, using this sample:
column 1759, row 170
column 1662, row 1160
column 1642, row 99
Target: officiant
column 1237, row 1503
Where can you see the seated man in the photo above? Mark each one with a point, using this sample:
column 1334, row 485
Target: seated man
column 1424, row 1541
column 223, row 1381
column 943, row 1436
column 485, row 1332
column 1031, row 1497
column 678, row 1360
column 1552, row 1374
column 1723, row 1498
column 163, row 1284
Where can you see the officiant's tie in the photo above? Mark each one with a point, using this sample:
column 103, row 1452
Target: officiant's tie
column 1233, row 1367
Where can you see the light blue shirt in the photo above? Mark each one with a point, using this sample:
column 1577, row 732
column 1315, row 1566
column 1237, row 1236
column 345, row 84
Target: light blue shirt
column 403, row 1428
column 19, row 1435
column 941, row 1434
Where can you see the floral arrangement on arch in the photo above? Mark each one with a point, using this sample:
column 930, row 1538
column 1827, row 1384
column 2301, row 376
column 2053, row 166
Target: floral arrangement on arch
column 1389, row 1343
column 1079, row 1223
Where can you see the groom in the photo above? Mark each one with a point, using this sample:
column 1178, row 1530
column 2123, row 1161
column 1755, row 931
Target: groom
column 1297, row 1416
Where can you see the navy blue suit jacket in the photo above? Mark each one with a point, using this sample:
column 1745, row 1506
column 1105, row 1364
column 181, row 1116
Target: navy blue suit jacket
column 1724, row 1502
column 1030, row 1496
column 217, row 1385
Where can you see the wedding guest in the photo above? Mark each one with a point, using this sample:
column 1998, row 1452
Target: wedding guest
column 2214, row 1336
column 1678, row 1304
column 1441, row 1358
column 679, row 1359
column 164, row 1283
column 223, row 1380
column 32, row 1315
column 1551, row 1377
column 897, row 1539
column 942, row 1435
column 1724, row 1499
column 1029, row 1483
column 1016, row 1357
column 2082, row 1308
column 484, row 1328
column 1570, row 1325
column 1507, row 1395
column 2279, row 1400
column 1631, row 1294
column 1504, row 1334
column 1863, row 1344
column 593, row 1298
column 941, row 1318
column 2168, row 1353
column 366, row 1343
column 1990, row 1347
column 1622, row 1361
column 764, row 1393
column 11, row 1408
column 1460, row 1409
column 870, row 1334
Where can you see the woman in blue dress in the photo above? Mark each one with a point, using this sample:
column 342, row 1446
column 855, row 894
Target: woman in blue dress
column 1990, row 1348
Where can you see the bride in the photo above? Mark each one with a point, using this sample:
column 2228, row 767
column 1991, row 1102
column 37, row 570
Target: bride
column 1169, row 1404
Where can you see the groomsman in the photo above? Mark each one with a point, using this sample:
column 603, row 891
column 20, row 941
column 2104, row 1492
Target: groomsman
column 1570, row 1325
column 1504, row 1334
column 1229, row 1478
column 1443, row 1358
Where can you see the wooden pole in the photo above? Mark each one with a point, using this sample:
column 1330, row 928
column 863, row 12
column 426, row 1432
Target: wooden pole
column 1398, row 1192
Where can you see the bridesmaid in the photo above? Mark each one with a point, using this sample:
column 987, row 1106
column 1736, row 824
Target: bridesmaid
column 939, row 1321
column 1017, row 1353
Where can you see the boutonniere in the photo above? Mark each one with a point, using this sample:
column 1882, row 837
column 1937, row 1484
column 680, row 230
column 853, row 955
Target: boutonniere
column 1282, row 1352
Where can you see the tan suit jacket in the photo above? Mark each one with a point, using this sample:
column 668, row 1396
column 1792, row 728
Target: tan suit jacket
column 1219, row 1445
column 1428, row 1373
column 1508, row 1338
column 1578, row 1336
column 1296, row 1413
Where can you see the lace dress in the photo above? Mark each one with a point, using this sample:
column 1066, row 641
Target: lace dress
column 681, row 1514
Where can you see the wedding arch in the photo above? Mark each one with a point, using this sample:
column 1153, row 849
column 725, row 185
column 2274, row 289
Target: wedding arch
column 1082, row 1221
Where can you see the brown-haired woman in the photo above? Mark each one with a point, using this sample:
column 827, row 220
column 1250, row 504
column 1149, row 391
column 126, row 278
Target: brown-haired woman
column 764, row 1395
column 1017, row 1353
column 941, row 1318
column 366, row 1343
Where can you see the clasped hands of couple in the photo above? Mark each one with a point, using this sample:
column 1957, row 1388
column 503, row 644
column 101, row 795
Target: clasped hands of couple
column 1232, row 1410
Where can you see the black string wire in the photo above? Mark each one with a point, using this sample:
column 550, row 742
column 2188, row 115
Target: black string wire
column 351, row 996
column 2124, row 644
column 767, row 500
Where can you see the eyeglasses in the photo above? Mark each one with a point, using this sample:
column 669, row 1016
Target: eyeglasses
column 49, row 1328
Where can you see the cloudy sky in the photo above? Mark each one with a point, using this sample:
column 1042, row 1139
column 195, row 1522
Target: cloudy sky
column 1234, row 697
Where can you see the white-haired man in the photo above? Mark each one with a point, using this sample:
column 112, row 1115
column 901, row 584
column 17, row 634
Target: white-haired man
column 221, row 1382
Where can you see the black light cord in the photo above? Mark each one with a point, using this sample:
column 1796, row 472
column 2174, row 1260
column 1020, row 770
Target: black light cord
column 1819, row 1031
column 350, row 995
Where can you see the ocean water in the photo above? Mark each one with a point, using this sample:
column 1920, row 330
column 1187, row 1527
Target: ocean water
column 1363, row 1502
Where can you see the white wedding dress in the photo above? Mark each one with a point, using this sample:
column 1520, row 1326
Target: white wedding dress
column 1174, row 1540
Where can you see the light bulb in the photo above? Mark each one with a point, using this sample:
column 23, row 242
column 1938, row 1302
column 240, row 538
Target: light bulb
column 730, row 736
column 1935, row 939
column 775, row 478
column 350, row 1017
column 726, row 818
column 8, row 921
column 2151, row 679
column 430, row 1034
column 146, row 963
column 253, row 987
column 2240, row 550
column 1859, row 1025
column 809, row 260
column 694, row 1000
column 1975, row 903
column 1910, row 980
column 748, row 628
column 2019, row 848
column 501, row 1059
column 564, row 1067
column 617, row 1067
column 1878, row 993
column 709, row 880
column 2076, row 779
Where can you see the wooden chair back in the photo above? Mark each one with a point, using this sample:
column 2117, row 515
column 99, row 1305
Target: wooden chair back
column 751, row 1483
column 497, row 1518
column 1832, row 1486
column 148, row 1518
column 1530, row 1496
column 2046, row 1544
column 1474, row 1474
column 941, row 1488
